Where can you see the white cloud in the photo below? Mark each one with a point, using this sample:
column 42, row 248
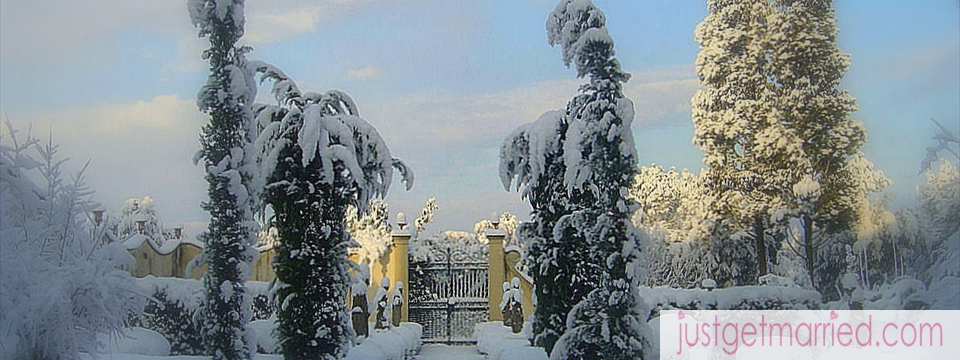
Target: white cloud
column 269, row 27
column 452, row 141
column 367, row 73
column 62, row 30
column 135, row 149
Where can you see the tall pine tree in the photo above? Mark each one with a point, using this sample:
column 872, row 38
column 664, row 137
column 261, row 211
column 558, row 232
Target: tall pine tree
column 317, row 157
column 808, row 65
column 751, row 155
column 577, row 168
column 225, row 143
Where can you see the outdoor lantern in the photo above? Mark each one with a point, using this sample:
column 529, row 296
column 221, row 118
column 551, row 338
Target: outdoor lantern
column 141, row 226
column 98, row 217
column 401, row 220
column 495, row 219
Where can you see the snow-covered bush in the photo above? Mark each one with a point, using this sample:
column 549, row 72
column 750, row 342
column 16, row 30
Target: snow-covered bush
column 172, row 312
column 60, row 284
column 136, row 340
column 507, row 223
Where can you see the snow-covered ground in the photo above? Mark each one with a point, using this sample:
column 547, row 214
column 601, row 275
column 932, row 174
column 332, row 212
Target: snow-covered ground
column 499, row 343
column 448, row 352
column 399, row 343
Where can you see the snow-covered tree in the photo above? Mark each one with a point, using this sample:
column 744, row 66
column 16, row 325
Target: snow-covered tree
column 317, row 157
column 60, row 284
column 229, row 242
column 132, row 213
column 506, row 222
column 773, row 122
column 808, row 65
column 533, row 157
column 598, row 161
column 940, row 195
column 425, row 217
column 689, row 242
column 371, row 231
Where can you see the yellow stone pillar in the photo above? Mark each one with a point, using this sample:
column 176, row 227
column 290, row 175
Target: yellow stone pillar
column 399, row 268
column 496, row 274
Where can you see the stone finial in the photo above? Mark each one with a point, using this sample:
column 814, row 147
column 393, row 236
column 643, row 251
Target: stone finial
column 402, row 221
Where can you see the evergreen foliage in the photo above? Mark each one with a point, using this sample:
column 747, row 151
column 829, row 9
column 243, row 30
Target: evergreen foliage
column 577, row 167
column 317, row 157
column 225, row 149
column 749, row 153
column 808, row 66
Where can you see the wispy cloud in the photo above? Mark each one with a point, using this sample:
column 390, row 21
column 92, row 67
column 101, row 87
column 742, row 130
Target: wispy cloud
column 273, row 27
column 366, row 73
column 453, row 141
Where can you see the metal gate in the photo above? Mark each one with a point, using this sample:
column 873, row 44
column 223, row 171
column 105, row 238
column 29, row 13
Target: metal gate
column 448, row 295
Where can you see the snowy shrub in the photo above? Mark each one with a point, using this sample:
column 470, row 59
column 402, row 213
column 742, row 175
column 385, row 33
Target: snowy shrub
column 172, row 312
column 60, row 284
column 136, row 340
column 371, row 231
column 263, row 306
column 733, row 298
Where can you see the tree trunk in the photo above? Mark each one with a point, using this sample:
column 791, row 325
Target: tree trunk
column 810, row 254
column 761, row 245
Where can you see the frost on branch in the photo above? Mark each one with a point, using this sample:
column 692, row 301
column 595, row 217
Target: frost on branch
column 59, row 280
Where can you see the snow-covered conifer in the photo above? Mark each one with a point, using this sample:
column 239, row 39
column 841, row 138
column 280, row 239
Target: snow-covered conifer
column 808, row 65
column 317, row 157
column 750, row 154
column 229, row 242
column 532, row 156
column 591, row 142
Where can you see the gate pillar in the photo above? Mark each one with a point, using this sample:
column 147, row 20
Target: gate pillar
column 398, row 269
column 496, row 274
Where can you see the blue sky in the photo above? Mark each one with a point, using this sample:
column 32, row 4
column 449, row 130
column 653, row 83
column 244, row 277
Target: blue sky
column 443, row 81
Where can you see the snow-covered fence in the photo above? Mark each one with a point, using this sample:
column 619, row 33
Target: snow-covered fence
column 734, row 298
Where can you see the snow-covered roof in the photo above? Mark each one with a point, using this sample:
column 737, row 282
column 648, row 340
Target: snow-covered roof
column 135, row 241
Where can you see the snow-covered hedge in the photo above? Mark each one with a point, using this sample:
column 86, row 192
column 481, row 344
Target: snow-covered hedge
column 733, row 298
column 172, row 311
column 497, row 342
